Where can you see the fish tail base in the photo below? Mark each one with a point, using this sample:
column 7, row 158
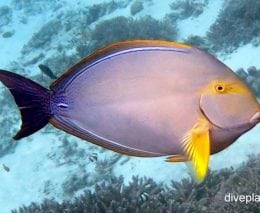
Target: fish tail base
column 32, row 99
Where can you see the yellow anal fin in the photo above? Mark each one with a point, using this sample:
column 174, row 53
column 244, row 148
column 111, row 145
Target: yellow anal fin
column 196, row 145
column 176, row 158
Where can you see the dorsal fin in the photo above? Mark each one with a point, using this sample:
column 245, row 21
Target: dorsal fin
column 116, row 47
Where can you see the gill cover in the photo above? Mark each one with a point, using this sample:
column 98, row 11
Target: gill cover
column 229, row 107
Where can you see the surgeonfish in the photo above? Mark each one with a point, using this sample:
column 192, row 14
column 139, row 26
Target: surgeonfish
column 143, row 98
column 47, row 71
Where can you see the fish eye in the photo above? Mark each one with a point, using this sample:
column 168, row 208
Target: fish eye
column 220, row 88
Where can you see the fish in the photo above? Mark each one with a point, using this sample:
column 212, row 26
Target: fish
column 47, row 71
column 93, row 157
column 144, row 98
column 143, row 197
column 6, row 168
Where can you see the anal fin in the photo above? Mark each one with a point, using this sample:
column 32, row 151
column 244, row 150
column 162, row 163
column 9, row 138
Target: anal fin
column 176, row 158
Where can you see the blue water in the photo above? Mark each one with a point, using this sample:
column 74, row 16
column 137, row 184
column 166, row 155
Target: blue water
column 51, row 164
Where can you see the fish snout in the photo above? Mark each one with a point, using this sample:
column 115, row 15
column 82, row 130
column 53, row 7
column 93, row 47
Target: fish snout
column 255, row 118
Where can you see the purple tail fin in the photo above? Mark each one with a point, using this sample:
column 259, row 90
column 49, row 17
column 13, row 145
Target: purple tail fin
column 32, row 99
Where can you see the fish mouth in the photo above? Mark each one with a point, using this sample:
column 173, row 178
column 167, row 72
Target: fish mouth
column 255, row 118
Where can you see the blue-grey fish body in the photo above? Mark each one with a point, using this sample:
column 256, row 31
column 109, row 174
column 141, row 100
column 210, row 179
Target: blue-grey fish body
column 145, row 98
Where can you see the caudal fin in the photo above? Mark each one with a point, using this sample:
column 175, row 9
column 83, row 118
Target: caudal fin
column 32, row 99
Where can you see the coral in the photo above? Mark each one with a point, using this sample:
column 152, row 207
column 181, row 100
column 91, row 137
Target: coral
column 68, row 154
column 122, row 28
column 198, row 42
column 186, row 8
column 75, row 182
column 94, row 12
column 252, row 78
column 136, row 7
column 59, row 63
column 34, row 60
column 34, row 7
column 70, row 29
column 5, row 15
column 237, row 24
column 145, row 195
column 43, row 37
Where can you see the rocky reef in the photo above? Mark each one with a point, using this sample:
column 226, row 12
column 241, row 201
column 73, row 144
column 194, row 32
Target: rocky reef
column 145, row 195
column 237, row 24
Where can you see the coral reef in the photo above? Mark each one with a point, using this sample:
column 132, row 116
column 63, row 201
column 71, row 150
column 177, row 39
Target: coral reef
column 199, row 42
column 60, row 63
column 70, row 30
column 94, row 12
column 122, row 28
column 252, row 78
column 144, row 195
column 136, row 7
column 86, row 172
column 43, row 37
column 34, row 7
column 183, row 9
column 82, row 32
column 237, row 24
column 5, row 15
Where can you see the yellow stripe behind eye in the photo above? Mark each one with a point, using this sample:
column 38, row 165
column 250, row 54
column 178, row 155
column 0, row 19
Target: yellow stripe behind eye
column 228, row 88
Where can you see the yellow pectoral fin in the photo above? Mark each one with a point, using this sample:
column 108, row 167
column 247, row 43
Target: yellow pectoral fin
column 196, row 145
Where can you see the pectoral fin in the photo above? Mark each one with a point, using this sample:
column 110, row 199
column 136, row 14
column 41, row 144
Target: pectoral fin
column 196, row 145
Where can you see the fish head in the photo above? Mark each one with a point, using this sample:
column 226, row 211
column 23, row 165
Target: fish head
column 230, row 104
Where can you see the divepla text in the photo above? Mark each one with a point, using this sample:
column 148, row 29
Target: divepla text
column 230, row 197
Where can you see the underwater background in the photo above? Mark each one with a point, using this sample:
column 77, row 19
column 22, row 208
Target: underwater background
column 52, row 171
